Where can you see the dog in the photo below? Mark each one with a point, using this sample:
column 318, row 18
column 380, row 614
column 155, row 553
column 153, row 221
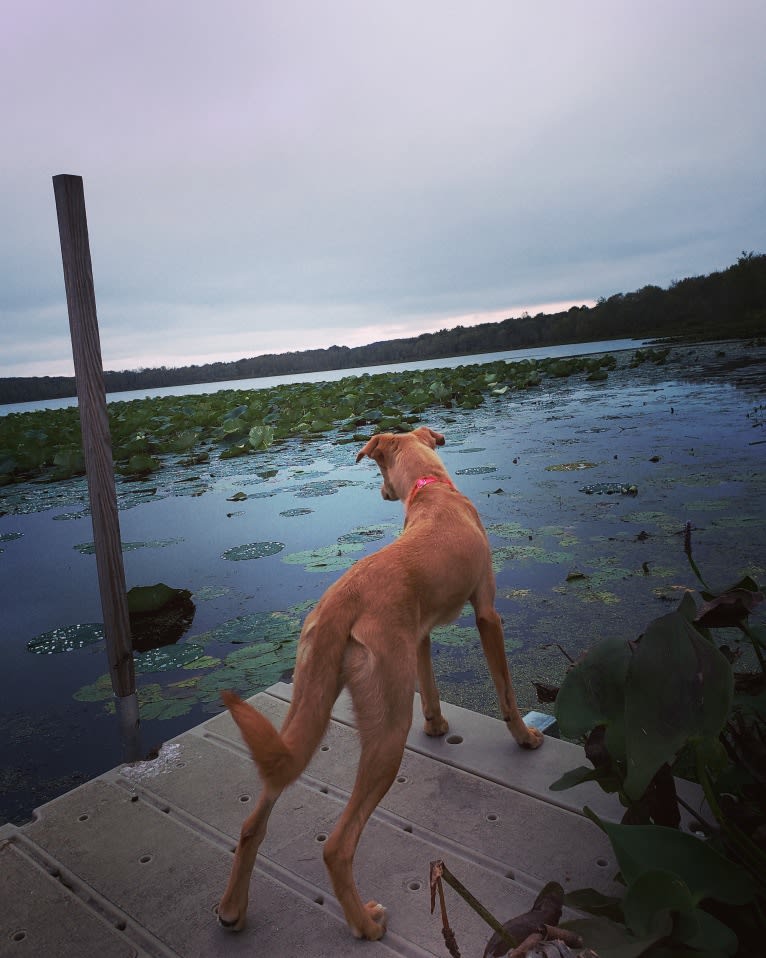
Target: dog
column 370, row 632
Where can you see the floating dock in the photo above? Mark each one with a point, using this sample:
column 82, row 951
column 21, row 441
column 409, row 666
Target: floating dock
column 133, row 862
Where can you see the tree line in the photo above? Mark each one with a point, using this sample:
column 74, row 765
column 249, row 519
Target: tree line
column 726, row 304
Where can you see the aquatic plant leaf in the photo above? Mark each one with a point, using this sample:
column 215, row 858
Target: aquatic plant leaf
column 475, row 470
column 327, row 487
column 651, row 898
column 203, row 662
column 68, row 462
column 575, row 776
column 261, row 437
column 705, row 872
column 253, row 550
column 163, row 708
column 333, row 558
column 571, row 466
column 140, row 465
column 258, row 627
column 611, row 489
column 99, row 691
column 66, row 639
column 249, row 669
column 89, row 548
column 731, row 606
column 363, row 534
column 678, row 687
column 185, row 440
column 236, row 450
column 660, row 899
column 168, row 657
column 235, row 413
column 592, row 694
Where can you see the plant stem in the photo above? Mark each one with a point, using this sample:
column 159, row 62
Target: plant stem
column 688, row 551
column 477, row 906
column 751, row 857
column 756, row 644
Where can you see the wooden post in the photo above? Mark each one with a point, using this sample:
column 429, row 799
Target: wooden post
column 97, row 447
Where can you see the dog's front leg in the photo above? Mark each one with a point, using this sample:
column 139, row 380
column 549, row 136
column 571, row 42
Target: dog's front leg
column 435, row 723
column 232, row 909
column 490, row 628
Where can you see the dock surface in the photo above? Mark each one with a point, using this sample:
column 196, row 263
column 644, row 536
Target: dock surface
column 133, row 863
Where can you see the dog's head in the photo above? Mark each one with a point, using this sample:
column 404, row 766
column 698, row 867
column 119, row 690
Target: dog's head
column 391, row 451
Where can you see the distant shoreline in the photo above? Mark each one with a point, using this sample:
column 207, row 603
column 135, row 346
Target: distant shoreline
column 332, row 375
column 730, row 304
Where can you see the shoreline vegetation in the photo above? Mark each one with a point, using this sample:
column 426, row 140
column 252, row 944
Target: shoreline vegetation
column 150, row 433
column 730, row 304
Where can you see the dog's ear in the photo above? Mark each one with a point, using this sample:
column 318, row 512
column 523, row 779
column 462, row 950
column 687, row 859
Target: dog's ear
column 370, row 449
column 430, row 437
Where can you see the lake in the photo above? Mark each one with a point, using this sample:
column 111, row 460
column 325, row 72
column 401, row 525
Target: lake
column 256, row 540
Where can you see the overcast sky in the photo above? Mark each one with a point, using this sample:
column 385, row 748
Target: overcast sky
column 270, row 175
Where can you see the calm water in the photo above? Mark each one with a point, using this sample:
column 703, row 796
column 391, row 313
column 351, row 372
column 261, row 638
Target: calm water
column 692, row 447
column 333, row 375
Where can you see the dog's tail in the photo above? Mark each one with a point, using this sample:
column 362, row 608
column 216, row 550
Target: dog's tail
column 275, row 761
column 282, row 756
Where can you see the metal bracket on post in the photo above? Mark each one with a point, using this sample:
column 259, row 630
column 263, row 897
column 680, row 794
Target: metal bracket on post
column 97, row 447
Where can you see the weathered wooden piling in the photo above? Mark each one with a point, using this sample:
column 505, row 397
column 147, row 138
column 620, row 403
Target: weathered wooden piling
column 97, row 448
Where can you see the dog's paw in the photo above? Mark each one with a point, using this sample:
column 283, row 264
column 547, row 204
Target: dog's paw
column 230, row 924
column 376, row 928
column 534, row 739
column 436, row 726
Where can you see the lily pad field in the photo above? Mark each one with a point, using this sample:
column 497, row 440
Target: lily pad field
column 246, row 504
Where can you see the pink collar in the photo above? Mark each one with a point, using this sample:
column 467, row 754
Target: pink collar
column 426, row 481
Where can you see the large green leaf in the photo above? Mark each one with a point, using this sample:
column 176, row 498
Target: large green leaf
column 261, row 437
column 650, row 900
column 705, row 872
column 576, row 776
column 593, row 694
column 678, row 687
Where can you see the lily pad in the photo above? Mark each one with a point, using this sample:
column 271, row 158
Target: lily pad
column 333, row 558
column 89, row 548
column 364, row 534
column 327, row 487
column 571, row 466
column 611, row 489
column 256, row 628
column 66, row 639
column 168, row 657
column 253, row 550
column 475, row 470
column 98, row 691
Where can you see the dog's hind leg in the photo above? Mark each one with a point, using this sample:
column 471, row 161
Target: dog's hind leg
column 435, row 723
column 490, row 627
column 232, row 908
column 383, row 704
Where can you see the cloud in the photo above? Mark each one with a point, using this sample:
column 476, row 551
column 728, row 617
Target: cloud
column 292, row 173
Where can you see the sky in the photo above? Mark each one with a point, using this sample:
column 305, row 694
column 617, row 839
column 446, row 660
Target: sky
column 271, row 175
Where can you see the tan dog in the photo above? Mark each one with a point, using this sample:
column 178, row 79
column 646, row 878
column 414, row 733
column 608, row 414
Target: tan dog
column 370, row 632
